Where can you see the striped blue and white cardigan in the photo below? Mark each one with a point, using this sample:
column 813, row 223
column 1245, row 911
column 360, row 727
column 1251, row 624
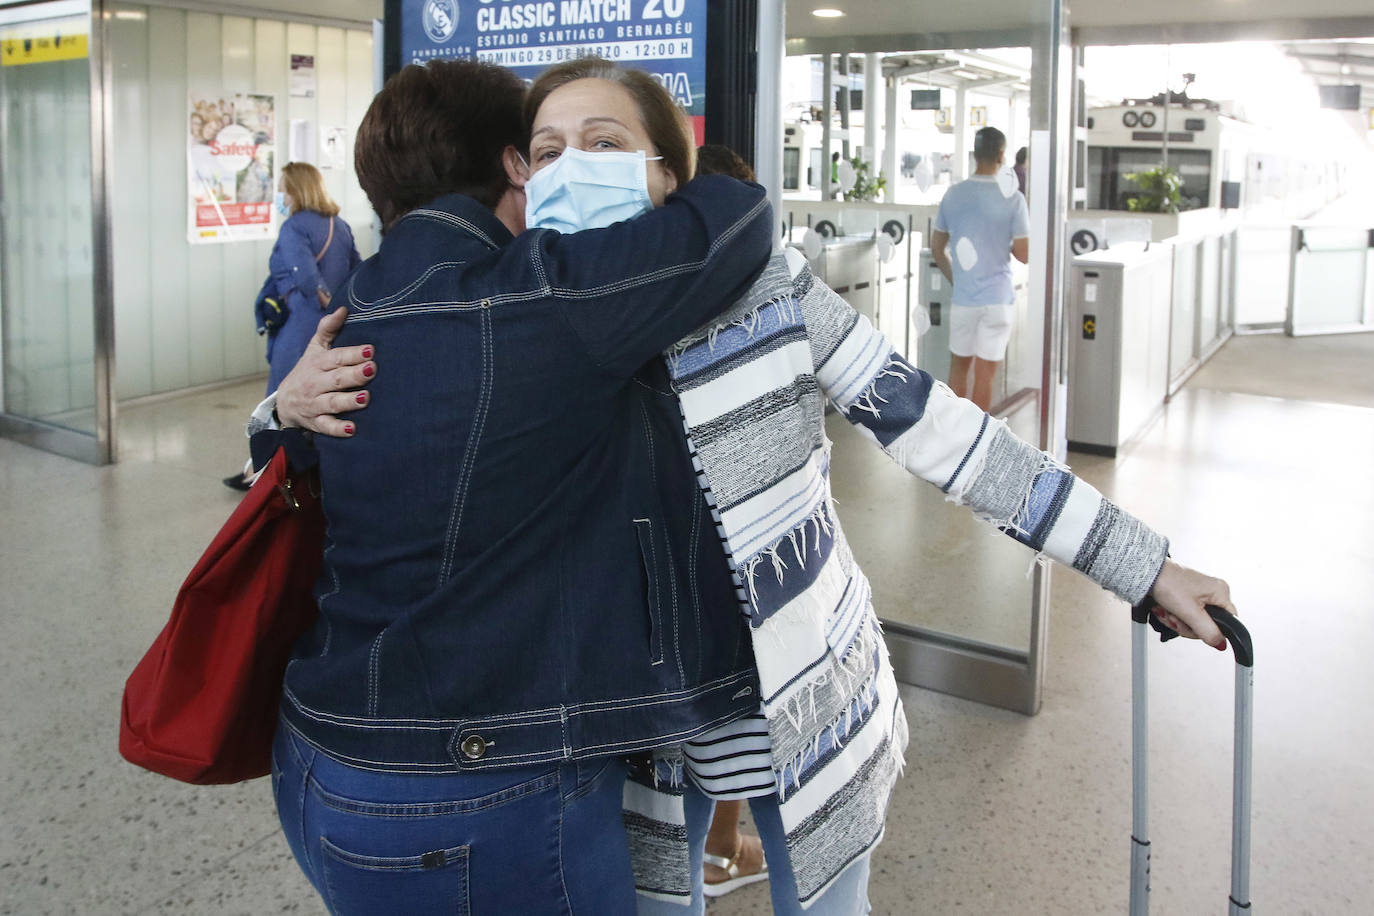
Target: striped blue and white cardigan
column 753, row 388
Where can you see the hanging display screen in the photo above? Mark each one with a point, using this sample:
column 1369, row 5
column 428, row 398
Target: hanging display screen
column 666, row 38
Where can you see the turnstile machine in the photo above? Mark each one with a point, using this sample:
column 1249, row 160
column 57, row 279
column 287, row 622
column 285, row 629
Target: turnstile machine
column 932, row 354
column 1118, row 348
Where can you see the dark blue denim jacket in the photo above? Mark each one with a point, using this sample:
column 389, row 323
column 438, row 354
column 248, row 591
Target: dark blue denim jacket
column 519, row 564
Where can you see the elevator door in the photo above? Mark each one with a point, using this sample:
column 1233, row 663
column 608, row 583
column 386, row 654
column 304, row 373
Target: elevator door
column 48, row 349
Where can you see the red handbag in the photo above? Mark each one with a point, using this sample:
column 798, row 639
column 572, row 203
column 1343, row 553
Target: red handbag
column 201, row 706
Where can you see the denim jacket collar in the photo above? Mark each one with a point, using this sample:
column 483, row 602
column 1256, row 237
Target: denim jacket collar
column 460, row 212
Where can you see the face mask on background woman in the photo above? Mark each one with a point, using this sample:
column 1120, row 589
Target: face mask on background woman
column 581, row 190
column 280, row 200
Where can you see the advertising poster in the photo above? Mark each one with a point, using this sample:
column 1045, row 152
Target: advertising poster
column 303, row 76
column 231, row 166
column 666, row 38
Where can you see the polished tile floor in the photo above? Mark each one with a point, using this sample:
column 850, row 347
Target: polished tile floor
column 997, row 813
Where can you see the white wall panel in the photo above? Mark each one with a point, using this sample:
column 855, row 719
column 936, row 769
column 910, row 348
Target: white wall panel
column 132, row 205
column 168, row 198
column 358, row 73
column 204, row 263
column 240, row 261
column 331, row 103
column 184, row 312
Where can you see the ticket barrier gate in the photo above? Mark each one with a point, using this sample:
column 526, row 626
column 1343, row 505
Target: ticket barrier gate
column 1118, row 329
column 869, row 266
column 932, row 353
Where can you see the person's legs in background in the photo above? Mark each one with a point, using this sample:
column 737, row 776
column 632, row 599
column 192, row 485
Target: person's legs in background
column 963, row 340
column 733, row 859
column 984, row 371
column 958, row 374
column 989, row 346
column 847, row 896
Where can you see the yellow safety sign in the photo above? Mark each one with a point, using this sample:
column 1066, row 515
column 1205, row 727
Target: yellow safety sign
column 41, row 49
column 1089, row 327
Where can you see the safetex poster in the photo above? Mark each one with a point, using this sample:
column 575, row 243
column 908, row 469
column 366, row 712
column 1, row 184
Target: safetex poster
column 231, row 166
column 666, row 38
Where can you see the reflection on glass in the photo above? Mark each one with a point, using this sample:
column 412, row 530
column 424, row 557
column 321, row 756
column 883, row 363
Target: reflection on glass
column 47, row 304
column 933, row 566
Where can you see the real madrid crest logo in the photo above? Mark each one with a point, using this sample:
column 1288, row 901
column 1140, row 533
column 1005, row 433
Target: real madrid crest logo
column 441, row 19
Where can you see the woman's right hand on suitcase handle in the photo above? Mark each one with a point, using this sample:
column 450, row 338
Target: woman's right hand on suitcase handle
column 1181, row 596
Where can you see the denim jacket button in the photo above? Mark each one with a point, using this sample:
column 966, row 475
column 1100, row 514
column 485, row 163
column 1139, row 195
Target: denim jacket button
column 473, row 747
column 486, row 303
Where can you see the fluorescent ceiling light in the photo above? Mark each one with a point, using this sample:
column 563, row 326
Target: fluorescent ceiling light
column 827, row 13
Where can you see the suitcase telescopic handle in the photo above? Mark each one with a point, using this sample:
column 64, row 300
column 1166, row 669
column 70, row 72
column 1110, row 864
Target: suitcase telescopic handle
column 1235, row 632
column 1239, row 637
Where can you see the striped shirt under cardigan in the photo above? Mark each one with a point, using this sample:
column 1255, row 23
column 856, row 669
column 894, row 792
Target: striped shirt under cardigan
column 752, row 388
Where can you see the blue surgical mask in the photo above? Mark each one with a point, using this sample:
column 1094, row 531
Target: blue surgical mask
column 582, row 190
column 280, row 200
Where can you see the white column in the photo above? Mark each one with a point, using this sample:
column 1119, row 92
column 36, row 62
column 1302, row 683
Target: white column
column 873, row 66
column 960, row 171
column 827, row 115
column 768, row 113
column 890, row 140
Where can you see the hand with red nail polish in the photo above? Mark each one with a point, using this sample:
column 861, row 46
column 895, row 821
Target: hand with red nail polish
column 325, row 381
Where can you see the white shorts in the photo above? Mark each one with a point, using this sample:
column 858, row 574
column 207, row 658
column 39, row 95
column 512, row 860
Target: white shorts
column 980, row 330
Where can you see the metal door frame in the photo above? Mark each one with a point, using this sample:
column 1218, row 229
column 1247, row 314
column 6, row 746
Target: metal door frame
column 1010, row 678
column 100, row 447
column 1295, row 328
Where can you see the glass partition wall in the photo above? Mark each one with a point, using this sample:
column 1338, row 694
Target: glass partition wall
column 964, row 606
column 56, row 336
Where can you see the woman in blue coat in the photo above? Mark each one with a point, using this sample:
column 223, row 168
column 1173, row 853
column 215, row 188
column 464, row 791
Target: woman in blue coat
column 314, row 254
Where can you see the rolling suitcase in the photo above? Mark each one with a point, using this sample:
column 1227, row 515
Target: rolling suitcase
column 1239, row 638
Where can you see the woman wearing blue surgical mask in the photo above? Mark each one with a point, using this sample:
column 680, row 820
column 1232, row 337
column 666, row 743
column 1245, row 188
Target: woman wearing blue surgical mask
column 313, row 255
column 606, row 144
column 602, row 149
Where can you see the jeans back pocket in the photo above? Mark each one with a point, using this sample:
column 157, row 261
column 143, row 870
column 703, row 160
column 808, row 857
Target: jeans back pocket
column 431, row 882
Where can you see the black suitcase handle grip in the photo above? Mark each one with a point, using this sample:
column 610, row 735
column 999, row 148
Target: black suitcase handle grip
column 1229, row 624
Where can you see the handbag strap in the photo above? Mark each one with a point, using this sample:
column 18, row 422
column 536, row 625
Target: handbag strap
column 327, row 242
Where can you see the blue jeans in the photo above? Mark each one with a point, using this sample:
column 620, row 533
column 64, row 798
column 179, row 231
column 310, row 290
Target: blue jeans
column 531, row 840
column 847, row 896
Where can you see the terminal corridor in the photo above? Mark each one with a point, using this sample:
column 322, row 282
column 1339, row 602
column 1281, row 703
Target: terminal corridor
column 1259, row 470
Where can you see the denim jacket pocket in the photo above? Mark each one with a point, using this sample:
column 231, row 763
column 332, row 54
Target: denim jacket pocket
column 653, row 587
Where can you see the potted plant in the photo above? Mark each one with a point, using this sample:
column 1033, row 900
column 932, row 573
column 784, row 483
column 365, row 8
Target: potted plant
column 866, row 187
column 1160, row 190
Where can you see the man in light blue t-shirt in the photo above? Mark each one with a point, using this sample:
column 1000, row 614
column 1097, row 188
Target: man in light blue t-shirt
column 986, row 218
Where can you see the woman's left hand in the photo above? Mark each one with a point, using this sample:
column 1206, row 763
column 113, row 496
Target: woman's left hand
column 1182, row 595
column 326, row 382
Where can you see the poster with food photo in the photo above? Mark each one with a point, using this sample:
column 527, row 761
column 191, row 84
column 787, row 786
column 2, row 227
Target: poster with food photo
column 231, row 166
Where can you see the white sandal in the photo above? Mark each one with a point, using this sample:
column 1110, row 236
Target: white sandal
column 734, row 880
